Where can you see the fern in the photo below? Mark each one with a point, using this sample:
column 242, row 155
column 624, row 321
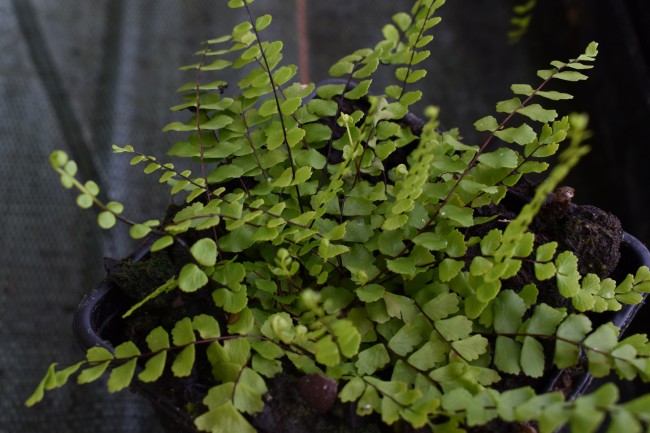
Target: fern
column 339, row 235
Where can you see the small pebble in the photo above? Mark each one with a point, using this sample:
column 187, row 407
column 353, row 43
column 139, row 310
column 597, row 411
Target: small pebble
column 319, row 391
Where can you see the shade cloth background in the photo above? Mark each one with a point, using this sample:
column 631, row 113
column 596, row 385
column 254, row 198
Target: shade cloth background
column 80, row 75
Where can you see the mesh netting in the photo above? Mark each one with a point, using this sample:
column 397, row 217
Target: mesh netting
column 81, row 75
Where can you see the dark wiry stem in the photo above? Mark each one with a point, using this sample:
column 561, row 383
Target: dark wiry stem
column 277, row 102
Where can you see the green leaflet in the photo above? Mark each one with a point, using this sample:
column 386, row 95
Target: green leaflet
column 545, row 320
column 602, row 340
column 347, row 337
column 224, row 418
column 532, row 357
column 207, row 326
column 205, row 251
column 230, row 301
column 501, row 158
column 400, row 307
column 455, row 328
column 449, row 268
column 441, row 306
column 183, row 333
column 509, row 400
column 352, row 390
column 470, row 348
column 507, row 356
column 567, row 274
column 249, row 391
column 230, row 275
column 122, row 375
column 625, row 421
column 488, row 123
column 403, row 265
column 429, row 355
column 106, row 220
column 266, row 367
column 587, row 418
column 191, row 278
column 370, row 360
column 92, row 373
column 509, row 309
column 327, row 352
column 61, row 376
column 431, row 241
column 523, row 134
column 545, row 253
column 322, row 108
column 370, row 293
column 570, row 76
column 158, row 341
column 405, row 340
column 537, row 113
column 509, row 106
column 54, row 379
column 359, row 91
column 153, row 368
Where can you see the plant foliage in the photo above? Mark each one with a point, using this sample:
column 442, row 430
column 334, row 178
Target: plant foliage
column 520, row 22
column 339, row 236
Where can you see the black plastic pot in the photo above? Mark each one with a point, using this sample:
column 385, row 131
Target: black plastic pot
column 97, row 322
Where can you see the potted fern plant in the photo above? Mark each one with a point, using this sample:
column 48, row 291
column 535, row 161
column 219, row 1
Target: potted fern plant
column 338, row 264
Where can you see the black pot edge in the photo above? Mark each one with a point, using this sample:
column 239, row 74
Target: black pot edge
column 97, row 315
column 102, row 306
column 633, row 250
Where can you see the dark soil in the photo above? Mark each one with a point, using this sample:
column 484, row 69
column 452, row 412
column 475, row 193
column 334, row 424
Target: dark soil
column 592, row 234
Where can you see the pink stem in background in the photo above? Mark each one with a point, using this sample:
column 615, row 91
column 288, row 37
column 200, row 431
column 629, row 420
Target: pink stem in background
column 303, row 40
